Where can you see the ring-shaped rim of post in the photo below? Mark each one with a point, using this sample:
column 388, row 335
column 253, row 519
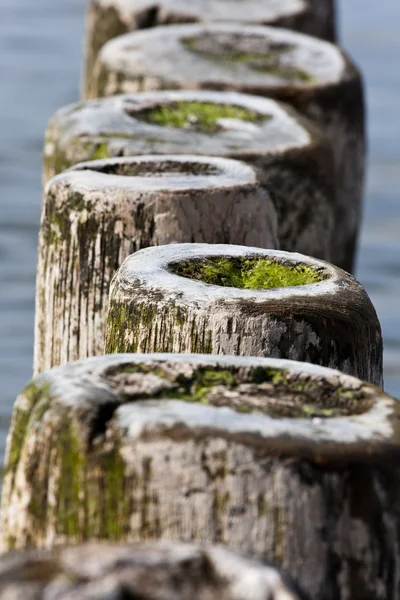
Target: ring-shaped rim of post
column 369, row 436
column 222, row 173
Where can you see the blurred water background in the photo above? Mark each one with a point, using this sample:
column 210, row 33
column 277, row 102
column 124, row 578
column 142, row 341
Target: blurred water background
column 40, row 57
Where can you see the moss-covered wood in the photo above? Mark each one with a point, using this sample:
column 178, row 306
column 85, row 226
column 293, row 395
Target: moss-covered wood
column 221, row 299
column 147, row 571
column 295, row 163
column 286, row 461
column 107, row 19
column 97, row 214
column 313, row 76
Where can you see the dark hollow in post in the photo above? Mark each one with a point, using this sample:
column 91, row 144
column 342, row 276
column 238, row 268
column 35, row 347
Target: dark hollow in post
column 314, row 76
column 97, row 214
column 294, row 161
column 221, row 299
column 151, row 571
column 285, row 461
column 107, row 19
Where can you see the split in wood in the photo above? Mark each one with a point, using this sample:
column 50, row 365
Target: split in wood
column 287, row 461
column 221, row 299
column 313, row 76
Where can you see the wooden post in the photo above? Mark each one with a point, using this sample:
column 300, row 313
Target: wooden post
column 282, row 460
column 312, row 75
column 295, row 162
column 107, row 19
column 148, row 571
column 220, row 299
column 97, row 214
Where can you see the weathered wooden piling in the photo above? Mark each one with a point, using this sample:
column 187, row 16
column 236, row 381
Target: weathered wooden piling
column 107, row 19
column 98, row 213
column 295, row 162
column 286, row 461
column 314, row 76
column 164, row 570
column 220, row 299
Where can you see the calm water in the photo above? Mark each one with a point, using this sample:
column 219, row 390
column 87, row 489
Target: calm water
column 40, row 50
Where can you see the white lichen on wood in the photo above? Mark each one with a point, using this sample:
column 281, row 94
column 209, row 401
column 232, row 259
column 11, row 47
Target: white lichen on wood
column 331, row 322
column 286, row 461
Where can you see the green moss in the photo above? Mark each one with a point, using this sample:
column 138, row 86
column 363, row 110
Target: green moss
column 146, row 526
column 253, row 274
column 201, row 116
column 262, row 506
column 279, row 534
column 56, row 226
column 92, row 500
column 71, row 463
column 99, row 151
column 11, row 543
column 209, row 378
column 274, row 392
column 127, row 323
column 278, row 393
column 31, row 395
column 265, row 62
column 221, row 502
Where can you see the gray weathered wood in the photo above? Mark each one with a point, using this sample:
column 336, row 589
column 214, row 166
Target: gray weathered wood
column 157, row 571
column 154, row 308
column 106, row 19
column 98, row 213
column 295, row 163
column 312, row 75
column 283, row 460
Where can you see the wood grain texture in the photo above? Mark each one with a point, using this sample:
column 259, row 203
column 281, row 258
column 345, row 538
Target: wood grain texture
column 98, row 213
column 106, row 19
column 212, row 450
column 295, row 163
column 331, row 323
column 313, row 76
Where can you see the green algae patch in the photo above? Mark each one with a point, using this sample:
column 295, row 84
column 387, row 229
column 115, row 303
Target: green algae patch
column 250, row 274
column 199, row 387
column 35, row 402
column 199, row 116
column 272, row 61
column 277, row 393
column 91, row 495
column 100, row 151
